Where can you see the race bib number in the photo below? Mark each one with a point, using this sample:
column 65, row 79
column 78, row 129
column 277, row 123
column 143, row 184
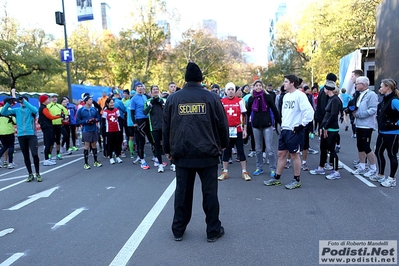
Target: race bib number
column 233, row 132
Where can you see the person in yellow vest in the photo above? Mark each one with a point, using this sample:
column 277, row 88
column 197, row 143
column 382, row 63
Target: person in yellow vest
column 57, row 109
column 7, row 137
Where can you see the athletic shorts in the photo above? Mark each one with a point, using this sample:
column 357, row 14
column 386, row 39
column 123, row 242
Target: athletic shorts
column 293, row 142
column 90, row 136
column 130, row 131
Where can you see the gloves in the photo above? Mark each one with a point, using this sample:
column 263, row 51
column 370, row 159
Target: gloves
column 62, row 115
column 298, row 129
column 20, row 99
column 341, row 119
column 161, row 101
column 10, row 101
column 153, row 100
column 91, row 121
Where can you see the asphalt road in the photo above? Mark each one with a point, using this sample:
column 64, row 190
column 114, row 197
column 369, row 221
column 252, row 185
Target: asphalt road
column 121, row 215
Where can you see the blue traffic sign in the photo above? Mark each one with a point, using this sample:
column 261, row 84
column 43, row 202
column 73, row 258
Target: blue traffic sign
column 67, row 55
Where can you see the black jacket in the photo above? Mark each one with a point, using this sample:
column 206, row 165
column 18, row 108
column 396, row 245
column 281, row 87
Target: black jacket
column 195, row 128
column 262, row 118
column 43, row 121
column 386, row 114
column 322, row 101
column 332, row 110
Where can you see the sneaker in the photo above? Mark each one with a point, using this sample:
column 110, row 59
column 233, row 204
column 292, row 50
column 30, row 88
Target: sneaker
column 328, row 167
column 68, row 152
column 213, row 239
column 356, row 162
column 272, row 182
column 252, row 154
column 272, row 173
column 74, row 148
column 233, row 151
column 131, row 155
column 287, row 165
column 5, row 164
column 49, row 163
column 30, row 178
column 39, row 178
column 70, row 149
column 86, row 166
column 173, row 167
column 137, row 160
column 160, row 168
column 59, row 157
column 317, row 171
column 359, row 171
column 353, row 136
column 145, row 166
column 245, row 176
column 333, row 175
column 389, row 182
column 312, row 151
column 112, row 161
column 304, row 167
column 230, row 161
column 97, row 164
column 293, row 184
column 155, row 159
column 337, row 149
column 118, row 160
column 11, row 165
column 123, row 155
column 223, row 176
column 377, row 178
column 258, row 171
column 370, row 173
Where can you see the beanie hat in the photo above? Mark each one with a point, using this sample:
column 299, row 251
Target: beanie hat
column 87, row 97
column 138, row 83
column 193, row 73
column 43, row 98
column 215, row 86
column 330, row 85
column 230, row 85
column 331, row 76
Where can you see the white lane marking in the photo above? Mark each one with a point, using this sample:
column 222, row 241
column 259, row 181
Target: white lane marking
column 384, row 194
column 12, row 259
column 12, row 178
column 127, row 251
column 109, row 188
column 33, row 198
column 6, row 231
column 361, row 178
column 48, row 171
column 68, row 218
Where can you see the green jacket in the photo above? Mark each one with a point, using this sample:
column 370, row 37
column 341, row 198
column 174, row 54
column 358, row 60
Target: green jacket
column 7, row 124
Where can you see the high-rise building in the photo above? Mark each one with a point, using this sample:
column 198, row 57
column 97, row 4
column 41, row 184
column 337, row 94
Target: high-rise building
column 105, row 16
column 210, row 26
column 281, row 11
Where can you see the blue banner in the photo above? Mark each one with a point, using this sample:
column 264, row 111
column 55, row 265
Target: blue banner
column 84, row 10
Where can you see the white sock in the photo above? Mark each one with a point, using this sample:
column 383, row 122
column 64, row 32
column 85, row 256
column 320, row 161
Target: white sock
column 303, row 162
column 226, row 170
column 244, row 170
column 362, row 165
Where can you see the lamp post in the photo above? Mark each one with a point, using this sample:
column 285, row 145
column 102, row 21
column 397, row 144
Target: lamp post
column 60, row 20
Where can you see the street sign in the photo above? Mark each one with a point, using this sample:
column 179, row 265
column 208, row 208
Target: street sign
column 67, row 55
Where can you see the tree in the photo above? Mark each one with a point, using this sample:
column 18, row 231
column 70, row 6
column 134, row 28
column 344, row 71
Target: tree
column 24, row 59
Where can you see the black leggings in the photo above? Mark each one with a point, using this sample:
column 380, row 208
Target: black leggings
column 27, row 143
column 113, row 143
column 48, row 139
column 240, row 148
column 141, row 131
column 328, row 144
column 65, row 132
column 388, row 142
column 157, row 139
column 8, row 143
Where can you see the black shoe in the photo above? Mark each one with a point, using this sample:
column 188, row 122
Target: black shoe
column 213, row 239
column 178, row 238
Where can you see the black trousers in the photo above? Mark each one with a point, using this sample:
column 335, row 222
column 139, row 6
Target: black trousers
column 48, row 139
column 185, row 178
column 27, row 143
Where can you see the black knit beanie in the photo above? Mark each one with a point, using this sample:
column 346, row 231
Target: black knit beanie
column 332, row 77
column 193, row 73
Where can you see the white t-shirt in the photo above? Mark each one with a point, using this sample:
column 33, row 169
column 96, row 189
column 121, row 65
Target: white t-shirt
column 296, row 110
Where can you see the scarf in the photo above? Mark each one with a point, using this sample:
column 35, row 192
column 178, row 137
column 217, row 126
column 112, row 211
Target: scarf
column 259, row 96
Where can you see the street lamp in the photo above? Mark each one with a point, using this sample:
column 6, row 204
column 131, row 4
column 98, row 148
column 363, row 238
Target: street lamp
column 60, row 20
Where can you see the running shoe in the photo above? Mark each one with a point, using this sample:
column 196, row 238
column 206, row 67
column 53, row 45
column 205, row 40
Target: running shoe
column 333, row 175
column 118, row 160
column 30, row 178
column 258, row 171
column 112, row 161
column 161, row 169
column 59, row 157
column 11, row 165
column 370, row 173
column 287, row 165
column 74, row 148
column 378, row 178
column 328, row 167
column 68, row 152
column 389, row 182
column 97, row 164
column 252, row 154
column 312, row 151
column 137, row 160
column 86, row 166
column 317, row 171
column 245, row 176
column 173, row 167
column 49, row 163
column 272, row 182
column 304, row 167
column 39, row 178
column 294, row 184
column 230, row 161
column 223, row 176
column 359, row 171
column 145, row 166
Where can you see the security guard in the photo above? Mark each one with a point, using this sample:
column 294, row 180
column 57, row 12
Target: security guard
column 195, row 131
